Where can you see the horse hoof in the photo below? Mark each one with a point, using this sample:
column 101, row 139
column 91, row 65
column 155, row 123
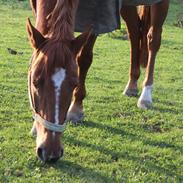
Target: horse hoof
column 145, row 100
column 130, row 92
column 144, row 104
column 75, row 117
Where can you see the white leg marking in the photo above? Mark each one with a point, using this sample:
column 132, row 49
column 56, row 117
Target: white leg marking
column 57, row 78
column 145, row 100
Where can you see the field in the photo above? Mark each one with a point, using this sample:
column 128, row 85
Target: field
column 117, row 142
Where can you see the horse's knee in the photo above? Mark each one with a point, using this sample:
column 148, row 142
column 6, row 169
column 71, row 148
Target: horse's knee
column 154, row 38
column 84, row 63
column 85, row 60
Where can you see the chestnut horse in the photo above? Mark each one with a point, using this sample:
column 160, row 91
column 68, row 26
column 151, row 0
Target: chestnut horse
column 60, row 64
column 52, row 78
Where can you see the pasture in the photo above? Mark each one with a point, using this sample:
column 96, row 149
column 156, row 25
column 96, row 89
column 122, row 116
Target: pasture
column 117, row 142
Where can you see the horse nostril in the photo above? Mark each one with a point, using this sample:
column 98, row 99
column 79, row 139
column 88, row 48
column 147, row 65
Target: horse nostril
column 53, row 160
column 41, row 154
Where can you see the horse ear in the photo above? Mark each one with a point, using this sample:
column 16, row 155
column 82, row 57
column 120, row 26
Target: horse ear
column 79, row 42
column 35, row 37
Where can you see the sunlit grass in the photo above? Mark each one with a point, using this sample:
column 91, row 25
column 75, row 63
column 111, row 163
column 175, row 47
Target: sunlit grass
column 117, row 142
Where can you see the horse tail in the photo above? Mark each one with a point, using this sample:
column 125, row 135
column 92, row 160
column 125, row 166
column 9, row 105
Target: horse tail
column 145, row 19
column 61, row 20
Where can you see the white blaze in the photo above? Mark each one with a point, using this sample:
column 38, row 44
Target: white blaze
column 58, row 78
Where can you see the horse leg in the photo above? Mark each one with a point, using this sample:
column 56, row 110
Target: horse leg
column 158, row 15
column 75, row 112
column 131, row 18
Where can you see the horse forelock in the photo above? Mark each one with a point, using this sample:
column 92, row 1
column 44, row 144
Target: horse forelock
column 55, row 54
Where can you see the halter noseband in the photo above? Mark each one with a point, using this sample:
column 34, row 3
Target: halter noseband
column 48, row 125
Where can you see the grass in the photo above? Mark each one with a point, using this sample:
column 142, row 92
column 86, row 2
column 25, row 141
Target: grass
column 117, row 142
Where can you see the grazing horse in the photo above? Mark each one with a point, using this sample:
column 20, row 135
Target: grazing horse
column 60, row 64
column 52, row 77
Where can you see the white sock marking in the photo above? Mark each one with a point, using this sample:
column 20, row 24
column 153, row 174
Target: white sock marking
column 58, row 78
column 146, row 94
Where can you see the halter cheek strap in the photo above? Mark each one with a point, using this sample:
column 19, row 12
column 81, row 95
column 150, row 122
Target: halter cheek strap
column 48, row 125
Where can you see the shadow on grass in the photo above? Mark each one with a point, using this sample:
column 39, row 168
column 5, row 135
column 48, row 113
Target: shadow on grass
column 147, row 163
column 132, row 136
column 166, row 110
column 173, row 110
column 84, row 173
column 169, row 43
column 170, row 103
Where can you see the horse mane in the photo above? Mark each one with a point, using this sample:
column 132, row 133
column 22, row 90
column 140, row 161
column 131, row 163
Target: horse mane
column 61, row 21
column 55, row 52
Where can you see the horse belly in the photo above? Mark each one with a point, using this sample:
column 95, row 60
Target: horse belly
column 140, row 2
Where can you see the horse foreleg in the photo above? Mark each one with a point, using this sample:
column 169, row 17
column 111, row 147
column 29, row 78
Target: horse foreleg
column 131, row 18
column 158, row 15
column 75, row 113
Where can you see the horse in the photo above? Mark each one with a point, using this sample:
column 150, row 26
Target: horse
column 60, row 63
column 52, row 78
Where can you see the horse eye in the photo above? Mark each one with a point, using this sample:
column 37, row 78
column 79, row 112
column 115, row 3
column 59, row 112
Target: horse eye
column 38, row 82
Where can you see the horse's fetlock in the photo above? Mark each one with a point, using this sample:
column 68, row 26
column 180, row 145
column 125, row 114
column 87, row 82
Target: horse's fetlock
column 135, row 76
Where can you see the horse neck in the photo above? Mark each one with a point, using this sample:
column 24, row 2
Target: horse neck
column 62, row 20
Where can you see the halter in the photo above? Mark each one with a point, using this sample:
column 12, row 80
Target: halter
column 47, row 124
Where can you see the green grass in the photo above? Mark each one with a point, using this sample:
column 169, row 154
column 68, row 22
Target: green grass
column 117, row 142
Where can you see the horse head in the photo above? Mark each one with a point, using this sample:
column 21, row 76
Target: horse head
column 52, row 77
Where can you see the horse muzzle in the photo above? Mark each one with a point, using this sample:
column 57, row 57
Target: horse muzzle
column 46, row 157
